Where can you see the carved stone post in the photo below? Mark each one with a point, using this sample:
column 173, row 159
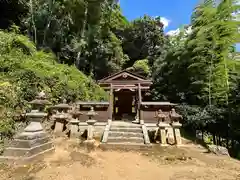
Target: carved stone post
column 61, row 117
column 177, row 134
column 90, row 142
column 162, row 128
column 170, row 135
column 74, row 125
column 175, row 117
column 91, row 123
column 60, row 121
column 90, row 129
column 74, row 122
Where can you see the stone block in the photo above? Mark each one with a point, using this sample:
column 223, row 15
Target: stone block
column 58, row 127
column 22, row 143
column 170, row 136
column 219, row 150
column 27, row 152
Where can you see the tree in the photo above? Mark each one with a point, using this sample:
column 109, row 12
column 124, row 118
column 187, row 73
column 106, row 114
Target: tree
column 142, row 38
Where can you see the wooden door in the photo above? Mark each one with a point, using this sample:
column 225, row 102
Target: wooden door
column 123, row 104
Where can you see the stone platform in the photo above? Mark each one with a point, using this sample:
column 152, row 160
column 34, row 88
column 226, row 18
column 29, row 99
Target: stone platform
column 27, row 147
column 125, row 135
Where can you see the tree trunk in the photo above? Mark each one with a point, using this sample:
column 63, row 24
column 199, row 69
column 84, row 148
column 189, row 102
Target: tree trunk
column 51, row 2
column 219, row 141
column 33, row 22
column 82, row 35
column 214, row 138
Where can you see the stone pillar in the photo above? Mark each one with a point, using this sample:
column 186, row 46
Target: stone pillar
column 105, row 133
column 90, row 129
column 90, row 142
column 74, row 127
column 170, row 135
column 59, row 124
column 162, row 129
column 177, row 135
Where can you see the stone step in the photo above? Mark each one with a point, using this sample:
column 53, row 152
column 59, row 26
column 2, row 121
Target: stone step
column 126, row 126
column 124, row 146
column 122, row 124
column 125, row 139
column 34, row 158
column 26, row 152
column 19, row 143
column 126, row 129
column 124, row 134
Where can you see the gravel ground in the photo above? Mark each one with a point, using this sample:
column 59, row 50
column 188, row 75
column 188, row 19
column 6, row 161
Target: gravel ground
column 69, row 162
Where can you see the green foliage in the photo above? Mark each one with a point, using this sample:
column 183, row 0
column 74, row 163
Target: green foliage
column 143, row 39
column 40, row 71
column 201, row 71
column 25, row 71
column 141, row 67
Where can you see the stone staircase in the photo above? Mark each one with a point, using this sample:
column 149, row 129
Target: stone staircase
column 125, row 135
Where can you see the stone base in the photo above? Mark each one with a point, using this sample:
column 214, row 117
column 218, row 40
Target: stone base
column 90, row 145
column 125, row 146
column 164, row 145
column 27, row 146
column 180, row 145
column 136, row 122
column 30, row 159
column 75, row 135
column 171, row 141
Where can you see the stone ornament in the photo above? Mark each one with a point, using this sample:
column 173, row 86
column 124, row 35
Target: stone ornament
column 175, row 116
column 33, row 141
column 74, row 122
column 90, row 142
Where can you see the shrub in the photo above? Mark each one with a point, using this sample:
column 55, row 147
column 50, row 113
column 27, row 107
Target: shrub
column 24, row 71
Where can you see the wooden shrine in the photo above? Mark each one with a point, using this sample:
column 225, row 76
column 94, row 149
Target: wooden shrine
column 126, row 93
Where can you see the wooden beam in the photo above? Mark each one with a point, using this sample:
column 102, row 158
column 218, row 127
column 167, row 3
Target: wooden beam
column 127, row 82
column 139, row 101
column 125, row 87
column 110, row 110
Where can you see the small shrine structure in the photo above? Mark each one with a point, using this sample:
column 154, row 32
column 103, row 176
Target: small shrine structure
column 126, row 93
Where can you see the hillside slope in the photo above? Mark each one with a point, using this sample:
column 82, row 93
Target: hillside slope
column 24, row 71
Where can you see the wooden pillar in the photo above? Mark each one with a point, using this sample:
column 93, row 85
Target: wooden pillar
column 139, row 102
column 110, row 109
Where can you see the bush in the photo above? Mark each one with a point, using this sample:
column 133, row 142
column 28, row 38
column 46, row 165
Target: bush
column 24, row 72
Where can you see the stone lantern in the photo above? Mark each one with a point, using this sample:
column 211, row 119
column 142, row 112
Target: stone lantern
column 162, row 126
column 62, row 107
column 61, row 117
column 40, row 102
column 33, row 140
column 90, row 142
column 175, row 117
column 74, row 122
column 91, row 123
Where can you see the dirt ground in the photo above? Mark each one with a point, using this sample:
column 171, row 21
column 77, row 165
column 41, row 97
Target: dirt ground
column 69, row 162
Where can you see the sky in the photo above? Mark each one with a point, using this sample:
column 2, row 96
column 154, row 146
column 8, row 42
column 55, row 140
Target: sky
column 174, row 13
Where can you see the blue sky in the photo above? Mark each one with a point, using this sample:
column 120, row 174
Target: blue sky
column 177, row 12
